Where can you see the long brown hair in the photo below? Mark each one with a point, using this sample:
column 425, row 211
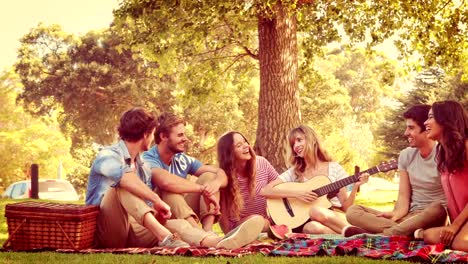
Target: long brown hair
column 453, row 118
column 231, row 199
column 313, row 151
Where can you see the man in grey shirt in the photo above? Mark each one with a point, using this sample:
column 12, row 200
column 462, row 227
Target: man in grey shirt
column 421, row 199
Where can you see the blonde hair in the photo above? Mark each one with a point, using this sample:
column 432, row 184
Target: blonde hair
column 313, row 151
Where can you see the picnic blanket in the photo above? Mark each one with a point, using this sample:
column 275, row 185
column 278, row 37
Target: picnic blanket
column 370, row 246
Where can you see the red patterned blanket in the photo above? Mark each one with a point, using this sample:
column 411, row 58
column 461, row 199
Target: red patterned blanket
column 371, row 246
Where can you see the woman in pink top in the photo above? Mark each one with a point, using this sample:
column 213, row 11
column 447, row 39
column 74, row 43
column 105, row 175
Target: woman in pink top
column 448, row 124
column 247, row 175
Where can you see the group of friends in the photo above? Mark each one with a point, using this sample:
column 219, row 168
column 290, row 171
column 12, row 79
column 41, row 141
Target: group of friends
column 147, row 197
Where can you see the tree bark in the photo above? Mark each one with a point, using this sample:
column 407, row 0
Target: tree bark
column 278, row 107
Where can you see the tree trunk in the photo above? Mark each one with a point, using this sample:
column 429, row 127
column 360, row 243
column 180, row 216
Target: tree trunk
column 278, row 107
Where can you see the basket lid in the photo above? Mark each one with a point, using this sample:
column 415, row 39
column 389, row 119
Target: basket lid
column 46, row 207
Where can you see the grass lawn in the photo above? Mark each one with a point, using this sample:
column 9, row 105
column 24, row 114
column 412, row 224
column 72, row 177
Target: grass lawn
column 382, row 200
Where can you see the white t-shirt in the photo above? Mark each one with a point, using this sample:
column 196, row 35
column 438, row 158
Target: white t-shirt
column 335, row 173
column 424, row 178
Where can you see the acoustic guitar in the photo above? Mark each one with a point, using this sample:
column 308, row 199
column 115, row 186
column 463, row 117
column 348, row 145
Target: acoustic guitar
column 294, row 212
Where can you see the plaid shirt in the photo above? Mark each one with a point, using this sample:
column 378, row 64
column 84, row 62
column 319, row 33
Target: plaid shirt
column 110, row 165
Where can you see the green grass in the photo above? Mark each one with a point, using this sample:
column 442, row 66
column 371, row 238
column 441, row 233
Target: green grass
column 382, row 200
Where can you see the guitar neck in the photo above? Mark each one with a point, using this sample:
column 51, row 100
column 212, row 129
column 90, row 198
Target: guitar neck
column 343, row 182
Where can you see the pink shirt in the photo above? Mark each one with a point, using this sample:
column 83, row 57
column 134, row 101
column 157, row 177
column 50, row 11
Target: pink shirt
column 456, row 190
column 257, row 204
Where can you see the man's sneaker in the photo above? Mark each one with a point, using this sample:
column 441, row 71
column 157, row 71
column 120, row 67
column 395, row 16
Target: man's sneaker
column 243, row 234
column 350, row 230
column 419, row 233
column 278, row 231
column 170, row 242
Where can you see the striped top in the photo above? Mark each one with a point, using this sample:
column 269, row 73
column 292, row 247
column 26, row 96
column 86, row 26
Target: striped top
column 265, row 174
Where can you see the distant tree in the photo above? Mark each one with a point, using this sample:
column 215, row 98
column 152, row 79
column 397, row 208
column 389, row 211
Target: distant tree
column 92, row 80
column 344, row 98
column 25, row 139
column 369, row 79
column 431, row 85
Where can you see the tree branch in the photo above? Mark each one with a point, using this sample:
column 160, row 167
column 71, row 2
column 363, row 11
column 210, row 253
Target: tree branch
column 443, row 7
column 238, row 57
column 247, row 50
column 205, row 52
column 250, row 53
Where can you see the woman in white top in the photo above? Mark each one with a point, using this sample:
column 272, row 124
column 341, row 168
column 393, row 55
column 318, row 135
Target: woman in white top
column 308, row 159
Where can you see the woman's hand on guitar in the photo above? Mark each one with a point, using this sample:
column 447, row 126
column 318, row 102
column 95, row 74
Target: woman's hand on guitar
column 306, row 196
column 363, row 178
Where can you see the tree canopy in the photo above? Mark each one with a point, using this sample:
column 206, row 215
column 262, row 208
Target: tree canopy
column 258, row 67
column 184, row 36
column 91, row 78
column 431, row 85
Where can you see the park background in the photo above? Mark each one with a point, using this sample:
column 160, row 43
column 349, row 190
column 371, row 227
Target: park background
column 68, row 69
column 346, row 68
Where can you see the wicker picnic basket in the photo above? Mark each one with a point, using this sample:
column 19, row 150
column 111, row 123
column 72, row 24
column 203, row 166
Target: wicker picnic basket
column 35, row 225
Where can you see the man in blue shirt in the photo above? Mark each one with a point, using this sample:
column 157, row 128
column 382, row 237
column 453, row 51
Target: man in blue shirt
column 131, row 214
column 194, row 201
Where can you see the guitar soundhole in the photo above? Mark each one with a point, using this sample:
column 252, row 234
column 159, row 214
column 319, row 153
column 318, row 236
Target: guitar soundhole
column 287, row 205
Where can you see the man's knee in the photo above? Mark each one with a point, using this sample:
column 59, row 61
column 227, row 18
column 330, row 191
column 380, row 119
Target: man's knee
column 179, row 207
column 437, row 212
column 439, row 209
column 172, row 198
column 436, row 207
column 133, row 205
column 206, row 177
column 355, row 208
column 353, row 212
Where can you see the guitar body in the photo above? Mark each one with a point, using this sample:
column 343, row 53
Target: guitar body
column 294, row 212
column 278, row 211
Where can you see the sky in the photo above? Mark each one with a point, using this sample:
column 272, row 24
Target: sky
column 17, row 17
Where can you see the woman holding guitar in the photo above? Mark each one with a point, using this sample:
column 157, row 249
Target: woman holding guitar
column 247, row 175
column 309, row 160
column 448, row 124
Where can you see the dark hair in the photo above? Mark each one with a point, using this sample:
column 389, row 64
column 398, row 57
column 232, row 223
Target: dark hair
column 451, row 151
column 419, row 114
column 231, row 197
column 135, row 123
column 166, row 121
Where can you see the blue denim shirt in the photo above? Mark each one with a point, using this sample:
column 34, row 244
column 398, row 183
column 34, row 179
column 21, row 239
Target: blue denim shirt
column 181, row 164
column 110, row 165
